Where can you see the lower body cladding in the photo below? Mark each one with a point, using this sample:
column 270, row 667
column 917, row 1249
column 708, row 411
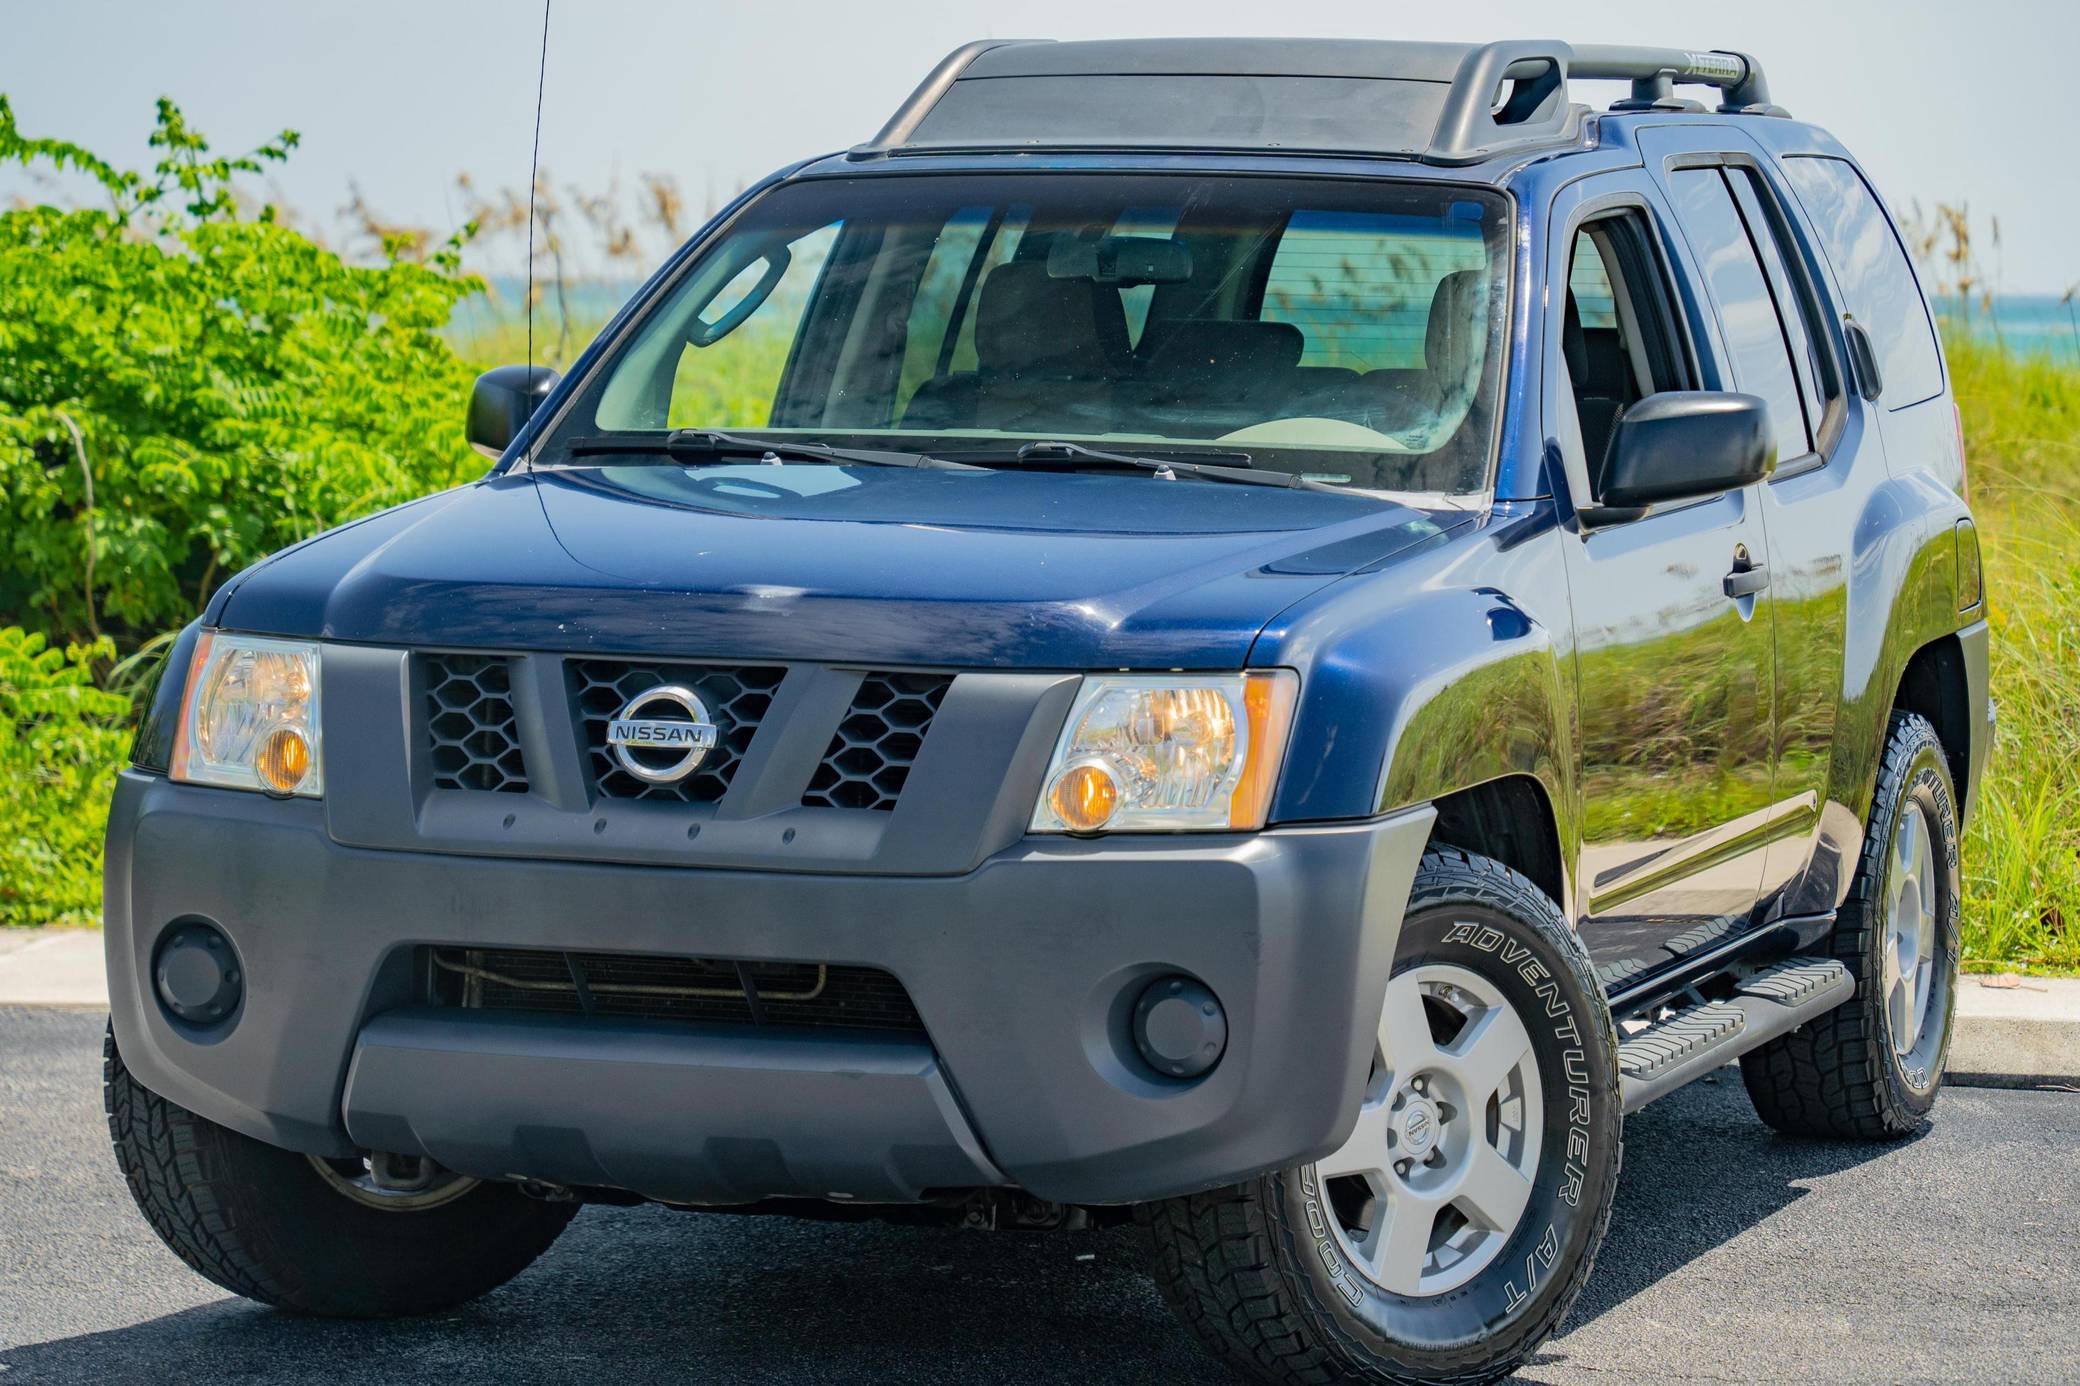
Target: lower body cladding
column 1024, row 1069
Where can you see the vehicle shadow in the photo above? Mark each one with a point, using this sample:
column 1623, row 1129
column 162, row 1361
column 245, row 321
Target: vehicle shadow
column 646, row 1295
column 1700, row 1169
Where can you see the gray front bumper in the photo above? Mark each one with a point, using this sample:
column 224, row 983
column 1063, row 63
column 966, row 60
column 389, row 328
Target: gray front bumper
column 1016, row 968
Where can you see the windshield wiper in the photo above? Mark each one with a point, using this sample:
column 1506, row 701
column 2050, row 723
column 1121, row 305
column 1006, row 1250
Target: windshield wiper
column 1167, row 468
column 715, row 444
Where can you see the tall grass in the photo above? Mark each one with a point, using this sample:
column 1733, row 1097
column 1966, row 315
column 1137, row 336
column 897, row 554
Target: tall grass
column 2022, row 854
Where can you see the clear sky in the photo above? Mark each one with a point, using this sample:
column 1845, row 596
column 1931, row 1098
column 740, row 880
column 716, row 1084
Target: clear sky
column 1966, row 100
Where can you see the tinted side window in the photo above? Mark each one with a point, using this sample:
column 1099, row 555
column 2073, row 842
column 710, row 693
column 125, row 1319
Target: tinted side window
column 1361, row 286
column 1875, row 276
column 1589, row 284
column 1792, row 305
column 1747, row 312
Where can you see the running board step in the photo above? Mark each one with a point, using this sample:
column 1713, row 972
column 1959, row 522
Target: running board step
column 1669, row 1053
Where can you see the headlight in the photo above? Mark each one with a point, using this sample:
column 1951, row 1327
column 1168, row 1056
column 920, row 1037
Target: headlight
column 1168, row 752
column 249, row 718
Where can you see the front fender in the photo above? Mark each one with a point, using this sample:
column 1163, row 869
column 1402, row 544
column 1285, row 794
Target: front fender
column 1415, row 685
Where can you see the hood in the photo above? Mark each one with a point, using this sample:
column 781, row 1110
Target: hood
column 843, row 564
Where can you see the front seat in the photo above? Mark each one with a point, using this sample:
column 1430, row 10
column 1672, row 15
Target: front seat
column 1396, row 400
column 1599, row 393
column 1046, row 351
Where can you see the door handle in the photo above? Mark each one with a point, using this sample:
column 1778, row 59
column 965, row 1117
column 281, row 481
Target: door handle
column 1746, row 579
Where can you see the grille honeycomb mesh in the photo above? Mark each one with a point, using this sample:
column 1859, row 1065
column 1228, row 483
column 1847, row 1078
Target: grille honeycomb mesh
column 737, row 700
column 472, row 732
column 869, row 759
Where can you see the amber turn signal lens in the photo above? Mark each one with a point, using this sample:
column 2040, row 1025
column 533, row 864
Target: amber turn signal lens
column 1267, row 700
column 1084, row 797
column 285, row 758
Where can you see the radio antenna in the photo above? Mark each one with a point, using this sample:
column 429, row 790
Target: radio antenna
column 534, row 164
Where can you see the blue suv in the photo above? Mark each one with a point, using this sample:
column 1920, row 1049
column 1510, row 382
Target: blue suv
column 874, row 744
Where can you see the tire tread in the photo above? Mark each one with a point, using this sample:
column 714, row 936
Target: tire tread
column 162, row 1151
column 240, row 1214
column 1828, row 1077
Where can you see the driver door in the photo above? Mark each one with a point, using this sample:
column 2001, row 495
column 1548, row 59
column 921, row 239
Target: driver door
column 1675, row 665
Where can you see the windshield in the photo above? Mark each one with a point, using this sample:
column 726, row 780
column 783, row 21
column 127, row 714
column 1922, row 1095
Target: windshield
column 1347, row 332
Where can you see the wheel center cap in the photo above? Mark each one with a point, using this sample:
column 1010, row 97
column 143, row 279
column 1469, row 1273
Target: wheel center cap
column 1416, row 1127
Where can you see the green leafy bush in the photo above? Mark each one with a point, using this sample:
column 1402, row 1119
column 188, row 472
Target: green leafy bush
column 61, row 742
column 187, row 385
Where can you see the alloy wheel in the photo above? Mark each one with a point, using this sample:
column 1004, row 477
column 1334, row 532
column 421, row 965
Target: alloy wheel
column 392, row 1183
column 1908, row 963
column 1436, row 1174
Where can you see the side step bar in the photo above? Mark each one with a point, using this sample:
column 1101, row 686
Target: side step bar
column 1669, row 1053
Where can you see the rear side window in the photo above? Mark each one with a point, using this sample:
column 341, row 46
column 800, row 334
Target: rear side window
column 1797, row 305
column 1589, row 284
column 1747, row 309
column 1875, row 276
column 1361, row 286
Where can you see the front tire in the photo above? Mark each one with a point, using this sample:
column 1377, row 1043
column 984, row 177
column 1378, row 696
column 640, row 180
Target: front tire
column 1451, row 1234
column 286, row 1230
column 1869, row 1070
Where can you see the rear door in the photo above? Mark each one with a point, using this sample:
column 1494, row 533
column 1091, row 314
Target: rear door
column 1829, row 457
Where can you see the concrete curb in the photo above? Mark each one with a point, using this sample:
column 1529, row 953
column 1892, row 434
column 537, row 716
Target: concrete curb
column 2010, row 1030
column 53, row 967
column 2016, row 1030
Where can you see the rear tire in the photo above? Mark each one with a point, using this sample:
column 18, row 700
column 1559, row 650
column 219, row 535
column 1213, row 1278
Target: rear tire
column 266, row 1223
column 1295, row 1277
column 1869, row 1070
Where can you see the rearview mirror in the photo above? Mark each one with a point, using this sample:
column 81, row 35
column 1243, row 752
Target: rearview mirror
column 1686, row 444
column 1124, row 261
column 501, row 403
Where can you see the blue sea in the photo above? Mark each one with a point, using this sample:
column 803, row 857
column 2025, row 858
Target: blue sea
column 2030, row 324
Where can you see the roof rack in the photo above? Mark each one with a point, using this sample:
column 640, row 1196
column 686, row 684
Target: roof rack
column 1439, row 103
column 1655, row 73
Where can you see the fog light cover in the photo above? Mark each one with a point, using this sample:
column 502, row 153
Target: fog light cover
column 197, row 975
column 1180, row 1027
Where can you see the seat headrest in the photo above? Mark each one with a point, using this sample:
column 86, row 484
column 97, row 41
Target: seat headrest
column 1227, row 347
column 1027, row 320
column 1458, row 322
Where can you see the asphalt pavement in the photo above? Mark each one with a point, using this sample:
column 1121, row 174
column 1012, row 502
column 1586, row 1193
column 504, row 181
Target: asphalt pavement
column 1734, row 1255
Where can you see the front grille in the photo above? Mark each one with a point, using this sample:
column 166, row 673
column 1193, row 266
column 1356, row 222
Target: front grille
column 688, row 990
column 472, row 733
column 737, row 699
column 869, row 759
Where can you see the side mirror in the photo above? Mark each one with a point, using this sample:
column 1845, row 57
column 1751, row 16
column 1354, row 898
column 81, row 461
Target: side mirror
column 501, row 403
column 1685, row 444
